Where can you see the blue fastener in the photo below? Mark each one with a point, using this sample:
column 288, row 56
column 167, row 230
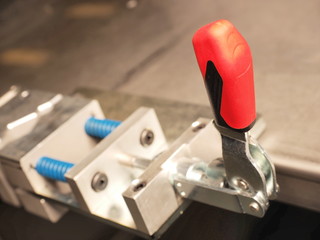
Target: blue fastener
column 52, row 168
column 100, row 128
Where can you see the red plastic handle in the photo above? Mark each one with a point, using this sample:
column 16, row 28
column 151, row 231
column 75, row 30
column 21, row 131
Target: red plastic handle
column 220, row 47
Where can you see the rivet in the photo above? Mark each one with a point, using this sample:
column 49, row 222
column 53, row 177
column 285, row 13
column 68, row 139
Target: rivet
column 242, row 184
column 254, row 207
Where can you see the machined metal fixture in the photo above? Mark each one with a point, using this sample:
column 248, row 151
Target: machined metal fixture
column 127, row 176
column 93, row 174
column 192, row 169
column 125, row 172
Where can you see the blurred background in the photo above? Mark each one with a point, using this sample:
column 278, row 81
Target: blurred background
column 143, row 47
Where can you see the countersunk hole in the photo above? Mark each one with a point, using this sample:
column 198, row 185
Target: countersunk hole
column 196, row 126
column 139, row 185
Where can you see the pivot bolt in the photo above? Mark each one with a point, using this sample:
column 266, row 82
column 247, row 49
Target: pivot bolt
column 242, row 184
column 254, row 207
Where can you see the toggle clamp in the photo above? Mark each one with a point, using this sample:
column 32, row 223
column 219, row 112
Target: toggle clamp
column 126, row 173
column 225, row 62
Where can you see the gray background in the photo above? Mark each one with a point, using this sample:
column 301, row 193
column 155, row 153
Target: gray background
column 63, row 45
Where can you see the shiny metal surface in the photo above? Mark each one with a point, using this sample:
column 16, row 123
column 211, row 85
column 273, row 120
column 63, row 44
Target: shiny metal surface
column 208, row 184
column 7, row 193
column 107, row 157
column 60, row 144
column 36, row 124
column 145, row 203
column 193, row 166
column 41, row 207
column 296, row 169
column 167, row 110
column 220, row 197
column 26, row 120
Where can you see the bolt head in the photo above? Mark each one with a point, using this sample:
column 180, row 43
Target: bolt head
column 242, row 184
column 146, row 137
column 99, row 182
column 254, row 207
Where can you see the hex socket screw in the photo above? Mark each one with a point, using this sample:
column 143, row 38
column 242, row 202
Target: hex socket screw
column 99, row 182
column 146, row 137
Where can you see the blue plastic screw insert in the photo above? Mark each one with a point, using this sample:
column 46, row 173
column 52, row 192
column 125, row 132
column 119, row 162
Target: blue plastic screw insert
column 100, row 128
column 52, row 168
column 56, row 169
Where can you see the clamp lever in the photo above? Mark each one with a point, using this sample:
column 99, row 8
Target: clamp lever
column 225, row 62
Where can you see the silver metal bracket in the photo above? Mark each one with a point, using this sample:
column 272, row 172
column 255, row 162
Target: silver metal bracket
column 117, row 156
column 194, row 166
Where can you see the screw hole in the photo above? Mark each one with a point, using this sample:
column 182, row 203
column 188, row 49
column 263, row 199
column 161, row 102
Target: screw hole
column 99, row 182
column 196, row 126
column 138, row 186
column 146, row 137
